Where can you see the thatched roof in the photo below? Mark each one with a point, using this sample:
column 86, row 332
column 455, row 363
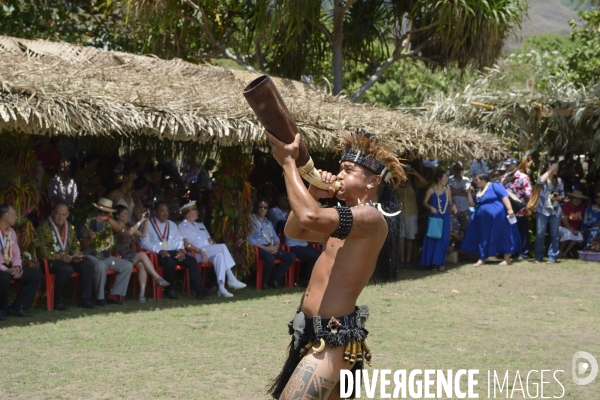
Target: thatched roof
column 64, row 89
column 556, row 118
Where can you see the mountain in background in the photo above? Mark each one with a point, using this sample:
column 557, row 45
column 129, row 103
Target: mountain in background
column 546, row 16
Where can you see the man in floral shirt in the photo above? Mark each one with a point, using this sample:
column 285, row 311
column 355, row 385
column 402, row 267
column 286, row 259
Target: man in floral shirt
column 97, row 242
column 519, row 184
column 57, row 242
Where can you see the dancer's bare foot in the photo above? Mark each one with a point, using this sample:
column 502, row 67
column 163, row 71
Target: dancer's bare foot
column 504, row 262
column 478, row 263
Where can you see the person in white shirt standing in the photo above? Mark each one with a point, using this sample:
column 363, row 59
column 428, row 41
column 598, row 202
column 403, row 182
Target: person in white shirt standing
column 62, row 188
column 165, row 240
column 196, row 238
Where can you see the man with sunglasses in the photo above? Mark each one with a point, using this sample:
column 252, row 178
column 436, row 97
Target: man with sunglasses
column 266, row 240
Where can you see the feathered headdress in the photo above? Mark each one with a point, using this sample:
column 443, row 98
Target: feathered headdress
column 362, row 148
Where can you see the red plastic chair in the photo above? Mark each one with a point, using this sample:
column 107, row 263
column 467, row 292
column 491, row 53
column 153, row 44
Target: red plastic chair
column 203, row 267
column 259, row 268
column 156, row 289
column 316, row 245
column 17, row 284
column 111, row 279
column 132, row 282
column 311, row 244
column 50, row 279
column 289, row 275
column 293, row 274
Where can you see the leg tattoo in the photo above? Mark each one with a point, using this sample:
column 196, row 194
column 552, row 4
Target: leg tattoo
column 305, row 384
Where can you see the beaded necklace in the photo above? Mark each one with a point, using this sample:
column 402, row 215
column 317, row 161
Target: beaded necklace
column 378, row 206
column 370, row 203
column 5, row 241
column 270, row 238
column 480, row 193
column 440, row 203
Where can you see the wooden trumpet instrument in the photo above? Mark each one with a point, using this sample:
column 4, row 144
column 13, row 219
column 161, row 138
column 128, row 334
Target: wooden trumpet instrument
column 273, row 114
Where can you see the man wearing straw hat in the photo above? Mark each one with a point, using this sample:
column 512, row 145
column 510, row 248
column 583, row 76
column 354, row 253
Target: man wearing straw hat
column 97, row 242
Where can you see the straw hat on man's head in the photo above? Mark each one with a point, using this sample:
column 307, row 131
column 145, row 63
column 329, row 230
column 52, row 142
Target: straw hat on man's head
column 105, row 205
column 577, row 195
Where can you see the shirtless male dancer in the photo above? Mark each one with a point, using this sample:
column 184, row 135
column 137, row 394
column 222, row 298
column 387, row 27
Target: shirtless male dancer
column 328, row 331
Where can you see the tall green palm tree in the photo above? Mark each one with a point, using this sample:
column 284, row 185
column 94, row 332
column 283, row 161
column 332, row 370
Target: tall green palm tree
column 291, row 38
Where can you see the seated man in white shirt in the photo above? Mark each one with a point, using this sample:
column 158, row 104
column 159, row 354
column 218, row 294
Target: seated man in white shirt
column 196, row 238
column 164, row 239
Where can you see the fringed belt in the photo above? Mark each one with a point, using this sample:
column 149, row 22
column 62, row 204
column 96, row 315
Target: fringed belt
column 348, row 331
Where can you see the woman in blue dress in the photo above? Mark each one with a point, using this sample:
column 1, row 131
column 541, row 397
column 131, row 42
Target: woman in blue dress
column 490, row 233
column 438, row 200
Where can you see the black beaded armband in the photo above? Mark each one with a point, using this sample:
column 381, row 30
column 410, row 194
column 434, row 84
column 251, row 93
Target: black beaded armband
column 345, row 225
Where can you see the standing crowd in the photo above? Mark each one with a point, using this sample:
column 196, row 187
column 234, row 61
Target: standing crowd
column 501, row 212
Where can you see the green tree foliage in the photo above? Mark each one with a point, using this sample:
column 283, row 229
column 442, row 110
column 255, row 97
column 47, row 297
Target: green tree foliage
column 191, row 30
column 83, row 21
column 547, row 42
column 544, row 96
column 583, row 60
column 291, row 38
column 409, row 83
column 545, row 58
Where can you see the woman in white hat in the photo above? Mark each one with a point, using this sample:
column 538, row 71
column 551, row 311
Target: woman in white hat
column 573, row 212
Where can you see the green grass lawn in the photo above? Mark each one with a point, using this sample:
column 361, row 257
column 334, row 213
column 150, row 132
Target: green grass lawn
column 520, row 317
